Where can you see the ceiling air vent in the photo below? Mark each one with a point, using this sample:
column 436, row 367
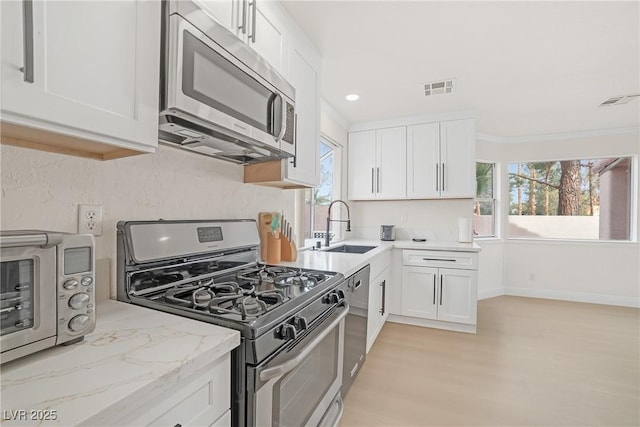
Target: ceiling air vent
column 619, row 100
column 443, row 86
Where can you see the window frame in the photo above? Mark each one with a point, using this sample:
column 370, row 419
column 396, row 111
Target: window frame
column 493, row 200
column 336, row 152
column 634, row 200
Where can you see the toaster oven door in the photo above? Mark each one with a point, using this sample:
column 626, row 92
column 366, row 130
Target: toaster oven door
column 27, row 300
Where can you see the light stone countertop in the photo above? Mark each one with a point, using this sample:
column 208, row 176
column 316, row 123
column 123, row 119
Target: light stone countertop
column 134, row 354
column 347, row 264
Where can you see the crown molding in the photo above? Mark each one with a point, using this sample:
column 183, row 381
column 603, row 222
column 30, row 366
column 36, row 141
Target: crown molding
column 554, row 136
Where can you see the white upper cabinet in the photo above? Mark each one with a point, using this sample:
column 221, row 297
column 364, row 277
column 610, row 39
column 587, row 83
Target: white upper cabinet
column 377, row 161
column 441, row 160
column 362, row 165
column 260, row 24
column 268, row 35
column 423, row 161
column 91, row 80
column 458, row 157
column 284, row 43
column 304, row 76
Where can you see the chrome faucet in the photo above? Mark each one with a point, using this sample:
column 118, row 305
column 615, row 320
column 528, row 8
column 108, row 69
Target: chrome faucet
column 329, row 220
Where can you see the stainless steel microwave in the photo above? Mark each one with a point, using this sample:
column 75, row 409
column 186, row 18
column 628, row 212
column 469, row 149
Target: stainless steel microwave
column 218, row 96
column 47, row 282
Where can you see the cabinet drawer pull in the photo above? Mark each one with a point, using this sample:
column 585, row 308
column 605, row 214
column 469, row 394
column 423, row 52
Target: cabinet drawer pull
column 27, row 18
column 439, row 259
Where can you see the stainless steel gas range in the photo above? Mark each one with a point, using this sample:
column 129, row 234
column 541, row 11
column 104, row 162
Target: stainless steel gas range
column 287, row 370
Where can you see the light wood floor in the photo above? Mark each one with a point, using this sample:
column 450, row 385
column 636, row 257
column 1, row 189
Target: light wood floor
column 533, row 362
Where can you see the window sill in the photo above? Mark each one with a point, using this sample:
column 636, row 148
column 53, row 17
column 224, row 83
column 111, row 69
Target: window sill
column 568, row 241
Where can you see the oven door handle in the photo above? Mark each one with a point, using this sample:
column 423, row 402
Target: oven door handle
column 283, row 368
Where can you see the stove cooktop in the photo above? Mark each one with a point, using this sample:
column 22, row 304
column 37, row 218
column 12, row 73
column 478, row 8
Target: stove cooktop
column 241, row 296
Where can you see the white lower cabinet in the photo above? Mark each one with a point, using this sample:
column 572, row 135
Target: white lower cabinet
column 439, row 293
column 438, row 289
column 203, row 399
column 378, row 296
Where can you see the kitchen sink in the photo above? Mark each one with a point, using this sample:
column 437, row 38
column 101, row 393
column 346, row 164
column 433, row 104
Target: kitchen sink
column 351, row 249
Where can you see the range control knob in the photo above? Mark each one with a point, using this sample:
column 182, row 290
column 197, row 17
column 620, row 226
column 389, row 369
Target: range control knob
column 86, row 280
column 79, row 301
column 300, row 323
column 70, row 284
column 332, row 298
column 341, row 294
column 79, row 322
column 288, row 332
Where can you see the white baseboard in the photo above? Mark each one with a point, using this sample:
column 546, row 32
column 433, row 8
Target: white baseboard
column 574, row 296
column 450, row 326
column 490, row 293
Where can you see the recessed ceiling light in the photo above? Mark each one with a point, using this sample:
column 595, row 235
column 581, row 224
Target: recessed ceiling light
column 352, row 97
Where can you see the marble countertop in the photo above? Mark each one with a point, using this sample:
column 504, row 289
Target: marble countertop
column 134, row 352
column 347, row 264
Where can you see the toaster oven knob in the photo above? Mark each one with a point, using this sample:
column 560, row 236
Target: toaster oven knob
column 70, row 284
column 79, row 301
column 86, row 280
column 79, row 322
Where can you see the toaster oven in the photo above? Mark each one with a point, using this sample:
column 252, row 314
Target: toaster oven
column 47, row 282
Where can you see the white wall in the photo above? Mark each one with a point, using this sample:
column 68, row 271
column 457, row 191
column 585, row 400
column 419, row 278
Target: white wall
column 600, row 272
column 42, row 190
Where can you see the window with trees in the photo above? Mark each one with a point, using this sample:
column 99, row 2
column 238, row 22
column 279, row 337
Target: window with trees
column 571, row 199
column 317, row 200
column 484, row 219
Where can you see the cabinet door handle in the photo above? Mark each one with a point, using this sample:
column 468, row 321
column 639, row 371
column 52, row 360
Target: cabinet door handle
column 443, row 177
column 27, row 19
column 439, row 259
column 294, row 162
column 243, row 25
column 434, row 289
column 384, row 291
column 378, row 179
column 372, row 191
column 441, row 289
column 437, row 176
column 253, row 21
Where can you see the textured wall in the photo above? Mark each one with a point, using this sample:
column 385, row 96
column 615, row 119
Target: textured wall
column 42, row 190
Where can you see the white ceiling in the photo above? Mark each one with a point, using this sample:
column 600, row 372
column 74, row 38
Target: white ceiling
column 526, row 68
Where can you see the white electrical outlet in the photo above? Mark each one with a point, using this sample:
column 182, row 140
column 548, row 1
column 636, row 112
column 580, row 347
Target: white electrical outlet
column 90, row 219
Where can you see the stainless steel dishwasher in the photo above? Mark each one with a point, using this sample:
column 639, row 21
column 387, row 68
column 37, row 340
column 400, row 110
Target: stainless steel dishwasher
column 356, row 288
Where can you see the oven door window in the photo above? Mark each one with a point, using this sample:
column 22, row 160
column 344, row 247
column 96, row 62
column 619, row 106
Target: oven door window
column 17, row 299
column 298, row 393
column 213, row 80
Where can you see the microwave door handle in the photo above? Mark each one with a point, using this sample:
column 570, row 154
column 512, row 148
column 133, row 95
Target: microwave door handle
column 283, row 119
column 279, row 370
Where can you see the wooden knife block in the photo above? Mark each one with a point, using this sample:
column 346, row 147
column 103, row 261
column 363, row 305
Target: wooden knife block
column 274, row 249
